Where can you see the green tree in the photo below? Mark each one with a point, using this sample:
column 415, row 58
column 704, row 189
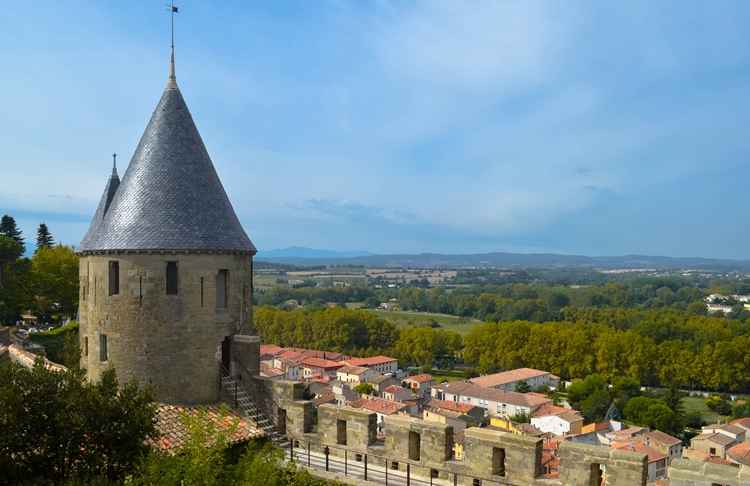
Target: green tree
column 55, row 277
column 364, row 389
column 57, row 426
column 523, row 387
column 44, row 237
column 594, row 407
column 10, row 251
column 653, row 413
column 580, row 390
column 9, row 228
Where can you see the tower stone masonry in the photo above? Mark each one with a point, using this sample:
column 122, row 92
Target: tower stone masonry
column 166, row 267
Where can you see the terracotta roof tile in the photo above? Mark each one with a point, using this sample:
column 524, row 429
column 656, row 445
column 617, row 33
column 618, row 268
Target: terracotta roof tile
column 172, row 433
column 423, row 378
column 371, row 361
column 511, row 376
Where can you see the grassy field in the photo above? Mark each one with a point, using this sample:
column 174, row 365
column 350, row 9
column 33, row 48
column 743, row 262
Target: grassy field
column 462, row 325
column 698, row 404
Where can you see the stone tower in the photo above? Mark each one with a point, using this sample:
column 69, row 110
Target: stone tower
column 166, row 268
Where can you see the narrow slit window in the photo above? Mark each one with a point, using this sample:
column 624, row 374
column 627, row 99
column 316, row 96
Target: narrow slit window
column 201, row 291
column 172, row 280
column 114, row 278
column 103, row 351
column 498, row 461
column 222, row 289
column 140, row 290
column 414, row 445
column 341, row 432
column 86, row 346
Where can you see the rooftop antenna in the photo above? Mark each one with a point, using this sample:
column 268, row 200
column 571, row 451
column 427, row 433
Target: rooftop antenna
column 172, row 10
column 114, row 164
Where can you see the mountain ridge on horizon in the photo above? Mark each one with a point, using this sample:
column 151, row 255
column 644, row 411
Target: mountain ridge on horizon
column 309, row 256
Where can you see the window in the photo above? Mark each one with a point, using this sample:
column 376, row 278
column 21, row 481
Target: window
column 222, row 289
column 712, row 451
column 172, row 281
column 114, row 278
column 140, row 290
column 103, row 352
column 201, row 291
column 498, row 461
column 477, row 482
column 414, row 445
column 394, row 465
column 341, row 432
column 434, row 473
column 86, row 346
column 597, row 474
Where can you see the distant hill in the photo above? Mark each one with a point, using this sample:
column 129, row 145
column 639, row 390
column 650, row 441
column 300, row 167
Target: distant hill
column 306, row 256
column 307, row 253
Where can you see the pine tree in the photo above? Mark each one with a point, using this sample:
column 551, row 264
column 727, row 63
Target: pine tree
column 44, row 237
column 9, row 228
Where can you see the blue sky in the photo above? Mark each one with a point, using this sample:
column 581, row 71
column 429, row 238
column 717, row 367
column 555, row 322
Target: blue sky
column 595, row 128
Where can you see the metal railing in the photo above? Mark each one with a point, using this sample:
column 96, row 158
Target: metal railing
column 376, row 468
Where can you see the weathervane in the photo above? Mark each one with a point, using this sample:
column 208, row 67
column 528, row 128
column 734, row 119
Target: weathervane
column 172, row 10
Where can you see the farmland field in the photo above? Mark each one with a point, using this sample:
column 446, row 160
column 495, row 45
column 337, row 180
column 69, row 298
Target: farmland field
column 462, row 325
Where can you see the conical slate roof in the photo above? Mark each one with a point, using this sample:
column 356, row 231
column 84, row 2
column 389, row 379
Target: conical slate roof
column 170, row 197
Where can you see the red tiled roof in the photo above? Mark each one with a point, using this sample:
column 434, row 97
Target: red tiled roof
column 395, row 389
column 379, row 405
column 740, row 453
column 353, row 370
column 271, row 349
column 662, row 438
column 173, row 434
column 451, row 406
column 565, row 413
column 270, row 371
column 653, row 454
column 741, row 422
column 506, row 377
column 423, row 378
column 326, row 364
column 468, row 389
column 371, row 361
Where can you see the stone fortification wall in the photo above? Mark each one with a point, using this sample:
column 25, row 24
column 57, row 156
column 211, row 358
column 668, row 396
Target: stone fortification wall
column 684, row 472
column 171, row 342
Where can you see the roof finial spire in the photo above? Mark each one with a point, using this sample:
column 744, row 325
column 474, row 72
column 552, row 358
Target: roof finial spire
column 172, row 10
column 114, row 164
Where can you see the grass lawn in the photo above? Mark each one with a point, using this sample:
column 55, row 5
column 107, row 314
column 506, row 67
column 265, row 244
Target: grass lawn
column 447, row 375
column 462, row 325
column 698, row 404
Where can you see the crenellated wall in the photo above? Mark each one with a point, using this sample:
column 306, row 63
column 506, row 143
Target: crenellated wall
column 684, row 472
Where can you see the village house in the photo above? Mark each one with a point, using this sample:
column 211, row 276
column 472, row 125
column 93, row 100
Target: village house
column 496, row 402
column 457, row 415
column 557, row 420
column 739, row 454
column 382, row 408
column 664, row 443
column 398, row 393
column 509, row 380
column 319, row 367
column 381, row 364
column 343, row 393
column 743, row 423
column 419, row 384
column 380, row 382
column 657, row 461
column 355, row 375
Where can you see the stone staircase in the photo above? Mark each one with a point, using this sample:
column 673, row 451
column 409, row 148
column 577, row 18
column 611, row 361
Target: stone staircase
column 238, row 397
